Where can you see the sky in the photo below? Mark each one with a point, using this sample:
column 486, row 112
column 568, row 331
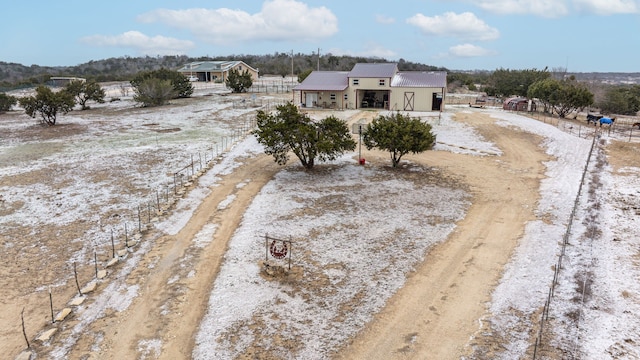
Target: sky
column 579, row 35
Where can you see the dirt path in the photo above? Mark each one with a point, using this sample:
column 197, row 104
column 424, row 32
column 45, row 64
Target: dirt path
column 431, row 317
column 434, row 315
column 176, row 276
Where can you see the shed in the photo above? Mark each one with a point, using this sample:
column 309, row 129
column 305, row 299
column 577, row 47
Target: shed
column 518, row 104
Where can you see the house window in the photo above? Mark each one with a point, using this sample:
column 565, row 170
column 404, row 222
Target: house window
column 345, row 96
column 356, row 81
column 381, row 82
column 332, row 96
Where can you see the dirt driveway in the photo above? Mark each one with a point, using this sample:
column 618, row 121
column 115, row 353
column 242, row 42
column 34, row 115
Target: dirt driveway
column 432, row 317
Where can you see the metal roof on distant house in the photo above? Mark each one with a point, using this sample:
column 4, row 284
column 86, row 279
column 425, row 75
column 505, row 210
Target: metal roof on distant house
column 324, row 80
column 210, row 66
column 430, row 79
column 373, row 70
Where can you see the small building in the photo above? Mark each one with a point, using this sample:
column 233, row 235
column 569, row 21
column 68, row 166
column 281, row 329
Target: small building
column 215, row 71
column 518, row 104
column 419, row 91
column 64, row 80
column 326, row 89
column 374, row 85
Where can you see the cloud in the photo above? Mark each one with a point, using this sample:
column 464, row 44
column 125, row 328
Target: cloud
column 607, row 7
column 372, row 50
column 143, row 44
column 544, row 8
column 559, row 8
column 382, row 19
column 278, row 20
column 468, row 50
column 464, row 26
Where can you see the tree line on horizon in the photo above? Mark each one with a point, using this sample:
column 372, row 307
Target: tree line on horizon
column 558, row 87
column 13, row 75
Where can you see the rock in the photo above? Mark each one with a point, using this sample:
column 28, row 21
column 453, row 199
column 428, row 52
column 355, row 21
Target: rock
column 45, row 336
column 63, row 314
column 77, row 301
column 112, row 262
column 90, row 287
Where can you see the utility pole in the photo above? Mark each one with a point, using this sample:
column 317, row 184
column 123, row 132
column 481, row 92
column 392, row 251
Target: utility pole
column 318, row 59
column 293, row 93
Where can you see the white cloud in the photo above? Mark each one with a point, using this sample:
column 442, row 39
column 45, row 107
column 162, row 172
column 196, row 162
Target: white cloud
column 382, row 19
column 278, row 20
column 143, row 44
column 607, row 7
column 559, row 8
column 372, row 50
column 468, row 50
column 465, row 26
column 544, row 8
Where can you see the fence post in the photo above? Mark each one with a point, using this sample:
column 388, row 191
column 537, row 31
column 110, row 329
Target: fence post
column 53, row 319
column 24, row 332
column 75, row 274
column 113, row 247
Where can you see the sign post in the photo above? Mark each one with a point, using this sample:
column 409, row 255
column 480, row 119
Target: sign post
column 277, row 248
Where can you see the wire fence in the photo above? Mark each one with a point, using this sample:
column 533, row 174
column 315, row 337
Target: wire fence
column 116, row 242
column 565, row 241
column 625, row 130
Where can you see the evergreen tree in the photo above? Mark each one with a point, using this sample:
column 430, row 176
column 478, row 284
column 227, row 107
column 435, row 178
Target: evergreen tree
column 239, row 82
column 181, row 85
column 6, row 102
column 47, row 104
column 399, row 135
column 289, row 130
column 84, row 91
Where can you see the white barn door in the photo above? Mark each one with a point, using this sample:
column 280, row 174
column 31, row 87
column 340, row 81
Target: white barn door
column 310, row 99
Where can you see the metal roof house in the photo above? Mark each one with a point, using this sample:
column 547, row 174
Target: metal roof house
column 216, row 71
column 324, row 89
column 372, row 85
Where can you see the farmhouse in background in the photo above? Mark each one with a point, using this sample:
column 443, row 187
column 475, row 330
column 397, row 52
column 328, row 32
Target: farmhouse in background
column 373, row 85
column 216, row 71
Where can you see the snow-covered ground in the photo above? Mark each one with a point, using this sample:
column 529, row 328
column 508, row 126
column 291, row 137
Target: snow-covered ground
column 313, row 315
column 241, row 298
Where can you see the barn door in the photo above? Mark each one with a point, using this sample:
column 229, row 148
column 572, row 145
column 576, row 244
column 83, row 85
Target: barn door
column 408, row 101
column 436, row 102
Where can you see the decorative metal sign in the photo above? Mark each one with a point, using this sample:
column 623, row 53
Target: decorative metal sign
column 278, row 249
